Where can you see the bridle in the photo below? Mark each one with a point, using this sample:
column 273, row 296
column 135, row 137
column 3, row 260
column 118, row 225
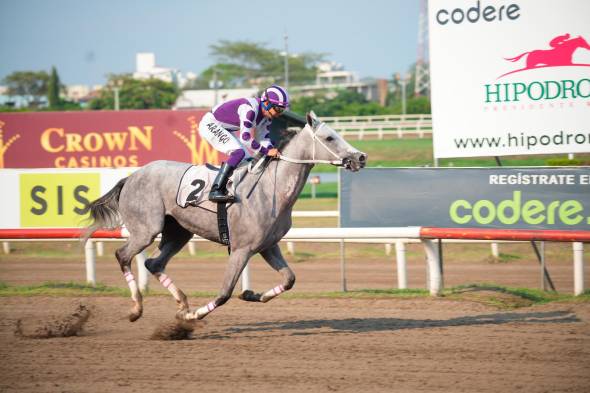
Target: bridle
column 314, row 138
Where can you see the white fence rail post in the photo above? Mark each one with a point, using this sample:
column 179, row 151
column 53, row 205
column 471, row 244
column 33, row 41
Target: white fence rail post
column 435, row 282
column 343, row 285
column 90, row 255
column 578, row 268
column 6, row 247
column 495, row 251
column 100, row 249
column 291, row 248
column 191, row 248
column 142, row 273
column 400, row 257
column 246, row 278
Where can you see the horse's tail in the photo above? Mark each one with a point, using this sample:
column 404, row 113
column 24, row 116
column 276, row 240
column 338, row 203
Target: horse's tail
column 513, row 59
column 104, row 212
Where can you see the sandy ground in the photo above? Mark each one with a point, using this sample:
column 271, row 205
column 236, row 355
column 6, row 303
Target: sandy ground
column 302, row 345
column 311, row 345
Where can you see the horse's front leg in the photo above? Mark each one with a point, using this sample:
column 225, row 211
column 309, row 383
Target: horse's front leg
column 237, row 261
column 274, row 258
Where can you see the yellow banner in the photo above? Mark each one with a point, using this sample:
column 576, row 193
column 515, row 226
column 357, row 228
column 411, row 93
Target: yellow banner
column 57, row 200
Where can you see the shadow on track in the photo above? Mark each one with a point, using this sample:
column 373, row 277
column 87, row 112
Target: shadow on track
column 358, row 325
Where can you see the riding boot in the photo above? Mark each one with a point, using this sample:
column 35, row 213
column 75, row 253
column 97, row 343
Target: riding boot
column 218, row 190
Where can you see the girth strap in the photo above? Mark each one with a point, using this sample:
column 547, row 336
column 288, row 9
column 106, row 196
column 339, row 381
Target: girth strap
column 222, row 224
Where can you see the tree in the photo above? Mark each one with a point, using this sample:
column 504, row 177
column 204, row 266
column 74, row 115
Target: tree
column 31, row 85
column 243, row 63
column 54, row 87
column 136, row 93
column 345, row 103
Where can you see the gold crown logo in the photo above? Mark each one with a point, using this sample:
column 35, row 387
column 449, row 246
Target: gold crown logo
column 5, row 146
column 200, row 152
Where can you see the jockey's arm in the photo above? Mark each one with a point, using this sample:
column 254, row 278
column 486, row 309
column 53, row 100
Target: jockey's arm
column 266, row 145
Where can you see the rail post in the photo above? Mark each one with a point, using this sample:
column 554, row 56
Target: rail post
column 246, row 278
column 90, row 256
column 6, row 247
column 142, row 272
column 578, row 268
column 435, row 282
column 343, row 286
column 191, row 248
column 100, row 249
column 400, row 257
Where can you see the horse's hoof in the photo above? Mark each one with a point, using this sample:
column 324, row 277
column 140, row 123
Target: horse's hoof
column 134, row 316
column 249, row 296
column 186, row 316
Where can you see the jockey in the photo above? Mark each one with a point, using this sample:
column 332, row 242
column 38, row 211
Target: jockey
column 236, row 125
column 560, row 39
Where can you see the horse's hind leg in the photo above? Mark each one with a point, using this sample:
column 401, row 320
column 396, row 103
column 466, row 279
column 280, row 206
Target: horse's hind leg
column 174, row 237
column 237, row 261
column 137, row 242
column 275, row 259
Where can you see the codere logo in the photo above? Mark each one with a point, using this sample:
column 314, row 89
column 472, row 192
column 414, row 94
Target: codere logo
column 201, row 153
column 4, row 146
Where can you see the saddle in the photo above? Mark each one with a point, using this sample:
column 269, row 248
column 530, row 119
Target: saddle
column 195, row 184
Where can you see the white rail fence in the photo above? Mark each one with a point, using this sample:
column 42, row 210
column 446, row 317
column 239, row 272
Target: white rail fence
column 381, row 126
column 397, row 236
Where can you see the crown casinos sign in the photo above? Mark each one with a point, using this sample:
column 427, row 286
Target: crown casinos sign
column 101, row 139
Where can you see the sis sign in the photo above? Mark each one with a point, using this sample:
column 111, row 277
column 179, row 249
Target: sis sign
column 510, row 77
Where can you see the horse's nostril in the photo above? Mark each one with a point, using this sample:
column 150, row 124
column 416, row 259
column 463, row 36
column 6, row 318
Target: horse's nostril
column 362, row 157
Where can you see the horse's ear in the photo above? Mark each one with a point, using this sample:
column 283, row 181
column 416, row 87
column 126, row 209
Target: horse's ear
column 312, row 119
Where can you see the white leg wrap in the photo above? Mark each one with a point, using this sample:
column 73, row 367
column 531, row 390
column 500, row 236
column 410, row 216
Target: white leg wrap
column 132, row 286
column 201, row 312
column 272, row 293
column 169, row 285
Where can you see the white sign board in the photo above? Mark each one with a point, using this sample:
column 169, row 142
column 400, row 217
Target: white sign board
column 53, row 198
column 510, row 77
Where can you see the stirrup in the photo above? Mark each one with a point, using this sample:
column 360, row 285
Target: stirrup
column 219, row 197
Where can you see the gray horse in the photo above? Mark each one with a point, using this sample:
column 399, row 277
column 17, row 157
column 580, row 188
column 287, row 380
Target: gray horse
column 146, row 203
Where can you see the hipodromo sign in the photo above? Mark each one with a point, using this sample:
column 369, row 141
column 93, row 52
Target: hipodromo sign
column 101, row 139
column 510, row 77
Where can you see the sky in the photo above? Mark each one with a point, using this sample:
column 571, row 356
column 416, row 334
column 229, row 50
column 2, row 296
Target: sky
column 88, row 39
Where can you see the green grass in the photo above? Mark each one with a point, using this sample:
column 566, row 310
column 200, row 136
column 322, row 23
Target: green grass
column 510, row 298
column 61, row 289
column 490, row 294
column 416, row 152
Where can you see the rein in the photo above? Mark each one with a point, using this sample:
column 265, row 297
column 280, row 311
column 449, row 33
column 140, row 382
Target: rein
column 261, row 162
column 314, row 138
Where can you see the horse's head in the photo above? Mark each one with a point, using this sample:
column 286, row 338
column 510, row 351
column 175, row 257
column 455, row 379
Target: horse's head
column 581, row 42
column 319, row 143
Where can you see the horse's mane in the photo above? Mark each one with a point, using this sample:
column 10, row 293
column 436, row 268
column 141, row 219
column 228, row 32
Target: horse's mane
column 286, row 136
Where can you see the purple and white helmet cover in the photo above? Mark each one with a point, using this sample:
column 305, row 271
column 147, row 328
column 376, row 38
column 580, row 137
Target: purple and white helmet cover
column 276, row 95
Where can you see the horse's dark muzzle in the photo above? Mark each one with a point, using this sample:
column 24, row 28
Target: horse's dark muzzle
column 355, row 161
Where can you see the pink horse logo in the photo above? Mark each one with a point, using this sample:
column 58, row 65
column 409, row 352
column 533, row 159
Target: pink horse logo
column 560, row 54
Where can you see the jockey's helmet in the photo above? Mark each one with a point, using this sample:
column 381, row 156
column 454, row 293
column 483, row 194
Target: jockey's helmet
column 276, row 96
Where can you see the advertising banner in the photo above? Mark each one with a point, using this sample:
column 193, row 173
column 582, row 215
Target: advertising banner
column 506, row 198
column 509, row 77
column 102, row 139
column 52, row 198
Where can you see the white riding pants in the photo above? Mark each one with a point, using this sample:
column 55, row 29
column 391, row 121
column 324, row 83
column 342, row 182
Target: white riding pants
column 221, row 139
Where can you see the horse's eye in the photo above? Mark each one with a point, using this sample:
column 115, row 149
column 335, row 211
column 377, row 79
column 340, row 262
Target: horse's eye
column 330, row 138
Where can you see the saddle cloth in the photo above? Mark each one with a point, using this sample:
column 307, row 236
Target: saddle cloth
column 195, row 184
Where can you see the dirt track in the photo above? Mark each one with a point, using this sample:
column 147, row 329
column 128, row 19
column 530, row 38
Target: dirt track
column 302, row 345
column 348, row 345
